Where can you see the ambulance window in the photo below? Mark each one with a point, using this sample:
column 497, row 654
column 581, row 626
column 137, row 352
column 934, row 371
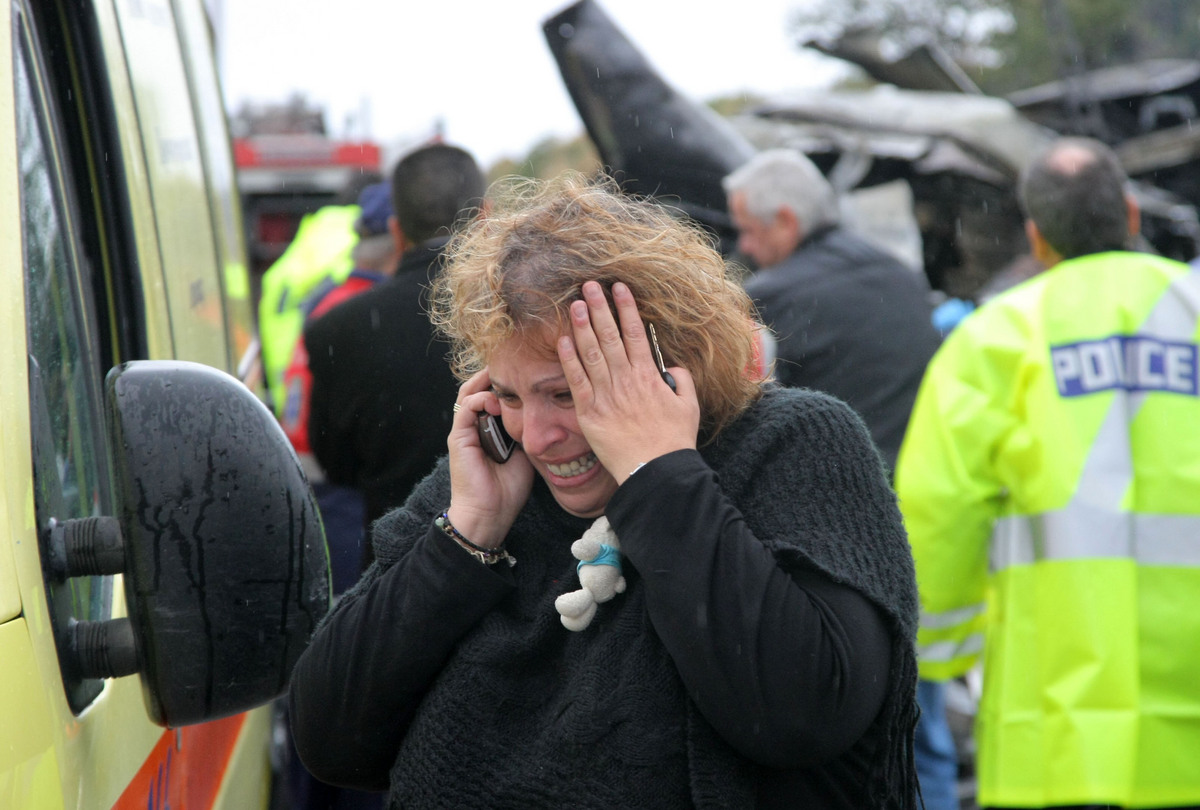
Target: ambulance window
column 68, row 435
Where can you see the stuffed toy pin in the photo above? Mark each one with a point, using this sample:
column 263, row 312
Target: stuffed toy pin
column 599, row 568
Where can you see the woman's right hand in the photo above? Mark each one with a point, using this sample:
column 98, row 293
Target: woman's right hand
column 485, row 497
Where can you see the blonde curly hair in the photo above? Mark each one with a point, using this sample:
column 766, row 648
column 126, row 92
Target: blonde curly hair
column 515, row 271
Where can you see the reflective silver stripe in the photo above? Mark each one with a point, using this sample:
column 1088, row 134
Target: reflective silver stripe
column 943, row 651
column 1176, row 313
column 1092, row 524
column 1079, row 532
column 951, row 618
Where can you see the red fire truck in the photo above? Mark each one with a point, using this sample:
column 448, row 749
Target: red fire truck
column 288, row 167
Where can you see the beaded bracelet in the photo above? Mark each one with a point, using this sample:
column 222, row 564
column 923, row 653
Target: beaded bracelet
column 487, row 556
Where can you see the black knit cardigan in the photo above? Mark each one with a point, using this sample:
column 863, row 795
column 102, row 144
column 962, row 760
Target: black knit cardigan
column 801, row 469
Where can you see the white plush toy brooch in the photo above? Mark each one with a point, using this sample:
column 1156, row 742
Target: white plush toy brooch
column 599, row 568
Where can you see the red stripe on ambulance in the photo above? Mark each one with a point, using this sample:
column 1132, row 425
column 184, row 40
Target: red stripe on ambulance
column 185, row 769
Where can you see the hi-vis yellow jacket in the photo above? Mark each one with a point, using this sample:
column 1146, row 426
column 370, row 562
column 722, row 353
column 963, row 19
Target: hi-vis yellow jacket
column 1050, row 482
column 320, row 252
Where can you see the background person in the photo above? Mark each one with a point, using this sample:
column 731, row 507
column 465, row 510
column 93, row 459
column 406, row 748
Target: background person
column 382, row 387
column 852, row 321
column 374, row 258
column 319, row 253
column 343, row 510
column 1056, row 435
column 761, row 654
column 849, row 318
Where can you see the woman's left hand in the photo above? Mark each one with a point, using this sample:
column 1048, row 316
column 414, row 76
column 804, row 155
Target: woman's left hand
column 625, row 409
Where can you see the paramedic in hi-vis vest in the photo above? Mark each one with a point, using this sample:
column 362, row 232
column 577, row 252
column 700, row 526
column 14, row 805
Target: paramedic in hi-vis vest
column 1050, row 483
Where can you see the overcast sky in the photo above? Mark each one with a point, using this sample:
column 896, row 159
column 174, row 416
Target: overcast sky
column 482, row 67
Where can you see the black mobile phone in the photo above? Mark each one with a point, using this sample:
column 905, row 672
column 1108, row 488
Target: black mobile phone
column 494, row 438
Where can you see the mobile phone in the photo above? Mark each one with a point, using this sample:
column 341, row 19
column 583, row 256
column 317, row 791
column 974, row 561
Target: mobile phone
column 494, row 438
column 658, row 358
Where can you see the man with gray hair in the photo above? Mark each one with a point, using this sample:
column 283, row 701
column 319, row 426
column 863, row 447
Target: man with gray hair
column 850, row 319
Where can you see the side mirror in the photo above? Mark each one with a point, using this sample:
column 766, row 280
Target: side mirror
column 218, row 536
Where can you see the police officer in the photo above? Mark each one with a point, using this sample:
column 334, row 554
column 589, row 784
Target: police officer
column 1050, row 482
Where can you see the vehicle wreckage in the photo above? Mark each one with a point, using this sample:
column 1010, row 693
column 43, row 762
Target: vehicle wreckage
column 924, row 136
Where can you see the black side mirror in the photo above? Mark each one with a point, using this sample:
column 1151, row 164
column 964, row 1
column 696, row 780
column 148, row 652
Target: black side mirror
column 218, row 536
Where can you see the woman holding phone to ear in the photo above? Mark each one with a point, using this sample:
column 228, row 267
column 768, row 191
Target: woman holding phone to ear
column 761, row 652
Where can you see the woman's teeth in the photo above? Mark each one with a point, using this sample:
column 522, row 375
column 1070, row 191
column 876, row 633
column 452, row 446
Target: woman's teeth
column 573, row 468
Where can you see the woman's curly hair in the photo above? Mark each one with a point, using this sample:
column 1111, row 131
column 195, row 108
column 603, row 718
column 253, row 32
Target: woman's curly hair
column 514, row 272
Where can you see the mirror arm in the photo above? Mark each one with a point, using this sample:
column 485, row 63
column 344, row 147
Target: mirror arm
column 104, row 649
column 85, row 547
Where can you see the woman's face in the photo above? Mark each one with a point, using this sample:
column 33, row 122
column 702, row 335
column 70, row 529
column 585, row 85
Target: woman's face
column 538, row 411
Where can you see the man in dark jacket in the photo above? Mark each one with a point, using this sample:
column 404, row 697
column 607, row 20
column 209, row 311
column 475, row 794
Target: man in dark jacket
column 382, row 389
column 850, row 319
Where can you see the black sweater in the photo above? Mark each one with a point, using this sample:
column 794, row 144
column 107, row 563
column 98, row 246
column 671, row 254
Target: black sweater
column 734, row 666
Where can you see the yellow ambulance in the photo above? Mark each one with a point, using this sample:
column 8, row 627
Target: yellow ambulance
column 162, row 563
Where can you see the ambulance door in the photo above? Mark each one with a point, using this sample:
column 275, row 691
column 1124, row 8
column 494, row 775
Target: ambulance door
column 88, row 749
column 75, row 195
column 145, row 43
